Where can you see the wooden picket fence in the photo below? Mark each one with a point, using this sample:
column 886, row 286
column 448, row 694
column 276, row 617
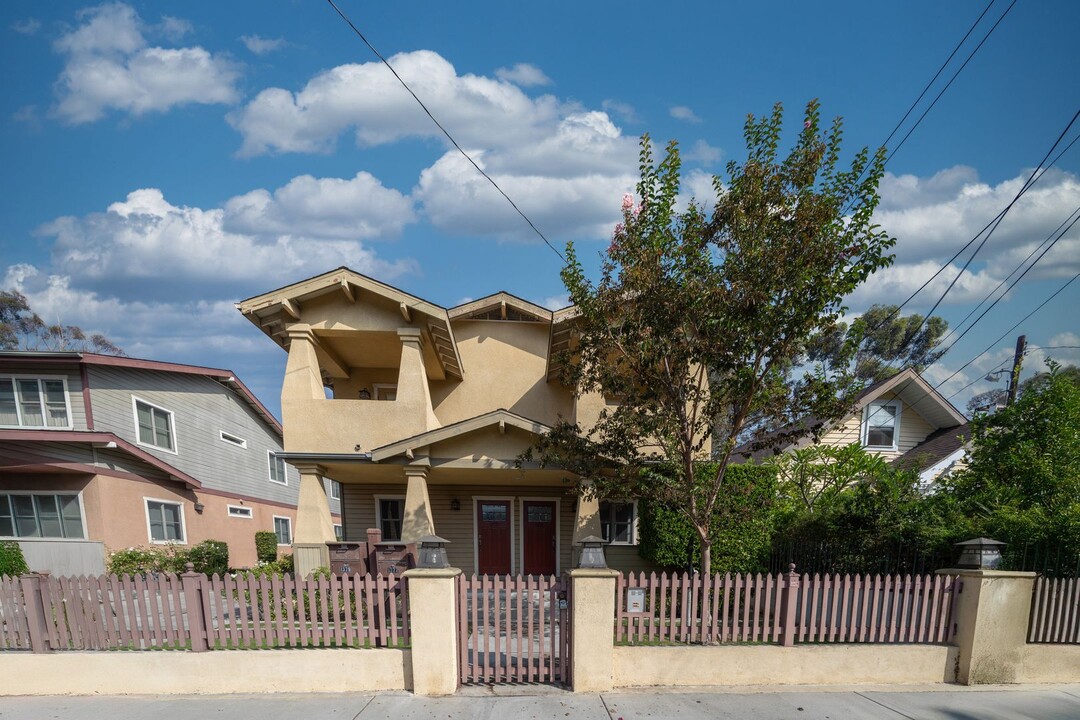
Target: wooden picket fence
column 783, row 608
column 193, row 611
column 1055, row 611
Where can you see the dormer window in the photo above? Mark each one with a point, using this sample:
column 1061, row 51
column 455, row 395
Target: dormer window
column 881, row 425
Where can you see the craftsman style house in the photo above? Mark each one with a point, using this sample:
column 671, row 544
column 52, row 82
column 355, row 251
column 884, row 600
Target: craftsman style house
column 132, row 452
column 420, row 412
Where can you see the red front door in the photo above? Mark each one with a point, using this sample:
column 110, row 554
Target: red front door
column 493, row 537
column 539, row 537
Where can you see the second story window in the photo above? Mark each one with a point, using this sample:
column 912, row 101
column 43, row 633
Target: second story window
column 277, row 469
column 881, row 425
column 155, row 426
column 34, row 403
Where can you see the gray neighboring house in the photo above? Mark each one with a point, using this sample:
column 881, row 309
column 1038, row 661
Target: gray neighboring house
column 98, row 451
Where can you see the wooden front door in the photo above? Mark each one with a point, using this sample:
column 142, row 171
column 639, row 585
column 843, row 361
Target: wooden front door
column 539, row 537
column 493, row 537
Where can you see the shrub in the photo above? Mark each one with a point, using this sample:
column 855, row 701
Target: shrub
column 12, row 562
column 140, row 561
column 266, row 546
column 277, row 568
column 210, row 557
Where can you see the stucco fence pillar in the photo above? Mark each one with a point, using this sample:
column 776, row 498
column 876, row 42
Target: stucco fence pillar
column 592, row 617
column 991, row 611
column 433, row 618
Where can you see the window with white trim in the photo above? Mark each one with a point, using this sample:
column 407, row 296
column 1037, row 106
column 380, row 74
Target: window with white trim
column 881, row 425
column 335, row 489
column 166, row 521
column 34, row 402
column 233, row 439
column 278, row 469
column 240, row 511
column 283, row 530
column 154, row 426
column 389, row 516
column 338, row 533
column 43, row 515
column 617, row 522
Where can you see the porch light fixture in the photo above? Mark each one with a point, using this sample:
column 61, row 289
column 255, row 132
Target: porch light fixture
column 980, row 554
column 199, row 507
column 592, row 552
column 432, row 552
column 455, row 504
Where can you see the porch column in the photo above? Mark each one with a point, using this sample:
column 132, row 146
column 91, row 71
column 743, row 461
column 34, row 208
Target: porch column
column 587, row 523
column 417, row 521
column 303, row 380
column 412, row 384
column 314, row 526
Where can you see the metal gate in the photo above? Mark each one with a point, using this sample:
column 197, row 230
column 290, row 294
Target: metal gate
column 514, row 629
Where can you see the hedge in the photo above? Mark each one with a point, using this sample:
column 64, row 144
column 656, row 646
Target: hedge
column 266, row 546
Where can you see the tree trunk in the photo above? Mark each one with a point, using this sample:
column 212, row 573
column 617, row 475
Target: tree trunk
column 706, row 557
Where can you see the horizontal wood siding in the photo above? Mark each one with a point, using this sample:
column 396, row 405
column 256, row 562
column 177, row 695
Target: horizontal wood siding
column 202, row 408
column 74, row 388
column 913, row 430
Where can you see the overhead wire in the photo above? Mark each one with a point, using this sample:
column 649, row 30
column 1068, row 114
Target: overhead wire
column 445, row 132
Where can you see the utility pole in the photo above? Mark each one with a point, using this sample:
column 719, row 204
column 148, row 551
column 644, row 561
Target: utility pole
column 1014, row 377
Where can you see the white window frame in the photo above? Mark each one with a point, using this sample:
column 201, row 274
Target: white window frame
column 41, row 394
column 82, row 516
column 865, row 426
column 633, row 525
column 235, row 440
column 335, row 485
column 149, row 530
column 135, row 400
column 476, row 499
column 339, row 532
column 379, row 388
column 271, row 456
column 247, row 514
column 378, row 512
column 558, row 527
column 288, row 520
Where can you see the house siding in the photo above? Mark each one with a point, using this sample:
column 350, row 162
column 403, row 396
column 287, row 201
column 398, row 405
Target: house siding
column 74, row 389
column 913, row 430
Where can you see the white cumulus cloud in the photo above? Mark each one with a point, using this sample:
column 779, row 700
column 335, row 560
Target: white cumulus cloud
column 523, row 74
column 109, row 66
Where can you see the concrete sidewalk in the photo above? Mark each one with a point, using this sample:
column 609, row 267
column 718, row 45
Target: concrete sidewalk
column 1014, row 702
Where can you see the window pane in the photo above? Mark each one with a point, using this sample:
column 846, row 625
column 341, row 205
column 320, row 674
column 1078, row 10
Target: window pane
column 391, row 516
column 7, row 521
column 8, row 414
column 282, row 527
column 879, row 437
column 71, row 516
column 26, row 524
column 162, row 431
column 30, row 403
column 538, row 513
column 157, row 525
column 146, row 423
column 171, row 516
column 55, row 403
column 493, row 513
column 48, row 515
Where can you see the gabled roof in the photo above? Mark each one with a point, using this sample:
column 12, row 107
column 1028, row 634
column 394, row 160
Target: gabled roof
column 500, row 418
column 27, row 437
column 500, row 306
column 937, row 446
column 225, row 377
column 272, row 310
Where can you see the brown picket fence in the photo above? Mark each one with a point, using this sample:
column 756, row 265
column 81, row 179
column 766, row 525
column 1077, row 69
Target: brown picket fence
column 783, row 608
column 1055, row 611
column 14, row 628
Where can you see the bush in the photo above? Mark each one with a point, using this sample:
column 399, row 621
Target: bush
column 210, row 557
column 12, row 562
column 140, row 561
column 266, row 546
column 278, row 568
column 741, row 531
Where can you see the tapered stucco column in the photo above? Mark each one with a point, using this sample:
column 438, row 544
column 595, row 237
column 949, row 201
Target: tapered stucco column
column 412, row 384
column 303, row 380
column 991, row 612
column 418, row 521
column 314, row 526
column 587, row 523
column 592, row 608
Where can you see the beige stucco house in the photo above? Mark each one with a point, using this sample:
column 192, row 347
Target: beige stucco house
column 420, row 412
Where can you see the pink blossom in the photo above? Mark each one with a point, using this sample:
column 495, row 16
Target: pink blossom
column 619, row 229
column 627, row 201
column 637, row 211
column 806, row 125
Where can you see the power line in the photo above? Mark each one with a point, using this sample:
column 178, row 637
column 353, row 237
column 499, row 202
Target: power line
column 445, row 131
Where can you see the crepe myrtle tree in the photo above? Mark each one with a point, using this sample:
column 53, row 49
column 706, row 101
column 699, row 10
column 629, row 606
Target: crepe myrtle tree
column 697, row 320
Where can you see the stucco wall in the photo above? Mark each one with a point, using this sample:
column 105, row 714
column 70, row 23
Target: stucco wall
column 186, row 673
column 772, row 664
column 1050, row 664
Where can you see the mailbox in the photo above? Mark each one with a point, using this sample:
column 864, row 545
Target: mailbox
column 347, row 558
column 393, row 558
column 635, row 600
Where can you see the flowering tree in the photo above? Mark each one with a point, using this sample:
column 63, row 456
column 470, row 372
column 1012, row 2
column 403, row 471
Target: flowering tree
column 697, row 320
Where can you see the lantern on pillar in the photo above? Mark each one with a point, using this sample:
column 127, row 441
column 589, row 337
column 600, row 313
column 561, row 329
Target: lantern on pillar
column 592, row 552
column 980, row 554
column 432, row 552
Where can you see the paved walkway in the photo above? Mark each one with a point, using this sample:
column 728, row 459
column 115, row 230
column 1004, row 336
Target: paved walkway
column 1042, row 702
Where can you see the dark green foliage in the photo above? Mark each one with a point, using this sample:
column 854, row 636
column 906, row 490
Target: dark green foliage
column 12, row 562
column 742, row 529
column 210, row 557
column 266, row 546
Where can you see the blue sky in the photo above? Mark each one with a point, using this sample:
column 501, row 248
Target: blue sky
column 164, row 160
